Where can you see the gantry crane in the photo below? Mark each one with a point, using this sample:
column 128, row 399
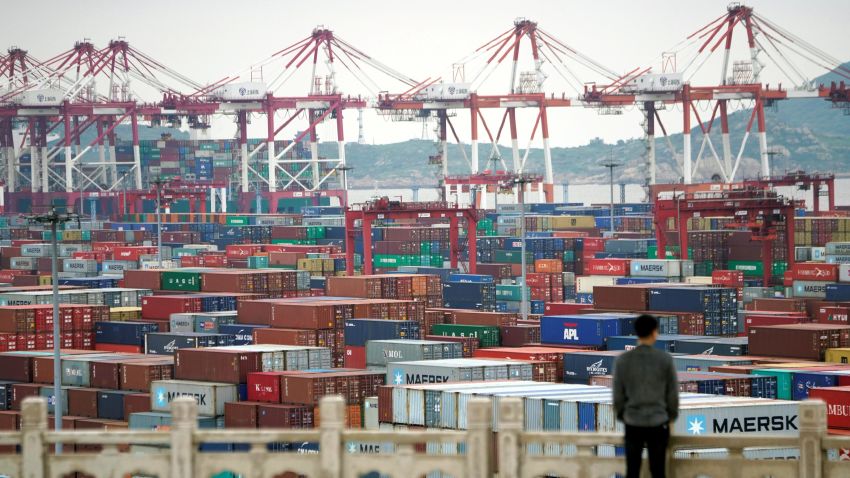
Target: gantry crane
column 385, row 208
column 760, row 211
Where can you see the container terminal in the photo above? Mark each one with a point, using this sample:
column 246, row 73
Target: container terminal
column 222, row 307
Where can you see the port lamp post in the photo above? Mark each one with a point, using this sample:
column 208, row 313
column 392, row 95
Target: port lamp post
column 611, row 165
column 52, row 220
column 158, row 183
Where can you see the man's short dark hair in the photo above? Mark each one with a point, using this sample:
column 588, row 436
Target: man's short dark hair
column 645, row 325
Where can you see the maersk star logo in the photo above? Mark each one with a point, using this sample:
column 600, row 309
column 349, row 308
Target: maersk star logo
column 161, row 399
column 398, row 377
column 352, row 448
column 696, row 424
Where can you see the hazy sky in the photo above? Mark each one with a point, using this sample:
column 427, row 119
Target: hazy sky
column 207, row 40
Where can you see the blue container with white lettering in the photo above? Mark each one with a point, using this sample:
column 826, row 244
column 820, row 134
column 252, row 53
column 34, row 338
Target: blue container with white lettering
column 837, row 292
column 473, row 278
column 578, row 330
column 243, row 334
column 360, row 331
column 580, row 367
column 802, row 382
column 123, row 333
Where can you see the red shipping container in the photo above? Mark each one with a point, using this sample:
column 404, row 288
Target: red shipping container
column 766, row 318
column 563, row 308
column 264, row 387
column 837, row 405
column 355, row 357
column 818, row 271
column 132, row 253
column 98, row 256
column 133, row 349
column 593, row 244
column 215, row 260
column 607, row 267
column 242, row 251
column 728, row 278
column 105, row 246
column 833, row 315
column 8, row 276
column 160, row 307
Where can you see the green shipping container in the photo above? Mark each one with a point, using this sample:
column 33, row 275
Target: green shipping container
column 508, row 292
column 784, row 381
column 779, row 268
column 513, row 257
column 315, row 232
column 236, row 221
column 749, row 268
column 487, row 336
column 180, row 280
column 258, row 262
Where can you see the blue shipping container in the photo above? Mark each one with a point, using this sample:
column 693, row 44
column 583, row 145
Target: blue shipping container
column 837, row 292
column 805, row 381
column 243, row 334
column 359, row 331
column 579, row 367
column 123, row 333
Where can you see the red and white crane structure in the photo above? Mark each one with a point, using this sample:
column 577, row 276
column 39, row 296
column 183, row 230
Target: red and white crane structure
column 545, row 54
column 321, row 56
column 88, row 86
column 768, row 49
column 63, row 92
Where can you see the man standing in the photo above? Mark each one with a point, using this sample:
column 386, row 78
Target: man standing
column 646, row 399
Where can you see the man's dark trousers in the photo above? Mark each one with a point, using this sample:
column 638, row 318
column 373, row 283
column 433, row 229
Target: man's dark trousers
column 655, row 439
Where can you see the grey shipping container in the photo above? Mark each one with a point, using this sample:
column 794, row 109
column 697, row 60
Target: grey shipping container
column 381, row 352
column 210, row 396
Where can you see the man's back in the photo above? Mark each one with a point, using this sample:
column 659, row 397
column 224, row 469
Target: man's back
column 646, row 389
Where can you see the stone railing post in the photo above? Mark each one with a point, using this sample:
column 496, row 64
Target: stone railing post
column 33, row 426
column 812, row 423
column 184, row 421
column 332, row 423
column 510, row 428
column 479, row 437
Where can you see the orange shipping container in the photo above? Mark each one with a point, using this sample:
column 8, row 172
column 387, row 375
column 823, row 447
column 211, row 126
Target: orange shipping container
column 548, row 265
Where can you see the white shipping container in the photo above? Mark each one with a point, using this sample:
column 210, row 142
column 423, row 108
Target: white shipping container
column 810, row 288
column 249, row 90
column 68, row 250
column 35, row 250
column 655, row 83
column 662, row 268
column 43, row 97
column 118, row 267
column 702, row 280
column 836, row 259
column 210, row 396
column 79, row 265
column 844, row 273
column 837, row 248
column 585, row 284
column 24, row 263
column 445, row 91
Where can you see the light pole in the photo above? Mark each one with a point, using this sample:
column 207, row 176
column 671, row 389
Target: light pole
column 520, row 182
column 124, row 192
column 611, row 165
column 158, row 183
column 495, row 160
column 53, row 219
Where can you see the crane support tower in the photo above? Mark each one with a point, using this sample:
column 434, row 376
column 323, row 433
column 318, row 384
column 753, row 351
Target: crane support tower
column 384, row 208
column 759, row 211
